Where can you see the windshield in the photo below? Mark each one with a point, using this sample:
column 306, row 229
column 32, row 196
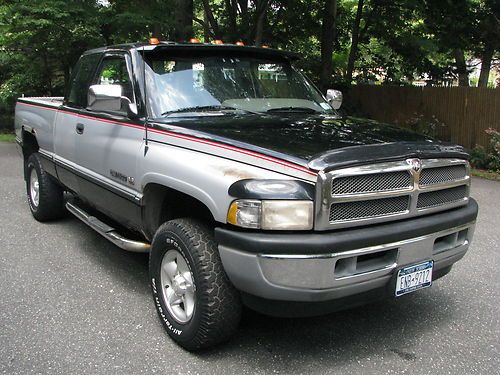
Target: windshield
column 186, row 85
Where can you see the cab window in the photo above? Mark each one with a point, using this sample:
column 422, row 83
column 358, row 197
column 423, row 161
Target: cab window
column 81, row 79
column 113, row 71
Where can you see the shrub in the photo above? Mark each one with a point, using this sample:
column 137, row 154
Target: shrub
column 489, row 157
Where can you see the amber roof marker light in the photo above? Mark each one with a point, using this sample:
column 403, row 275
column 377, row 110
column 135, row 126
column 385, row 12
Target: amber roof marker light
column 154, row 41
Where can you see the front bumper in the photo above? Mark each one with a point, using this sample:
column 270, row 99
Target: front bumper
column 315, row 267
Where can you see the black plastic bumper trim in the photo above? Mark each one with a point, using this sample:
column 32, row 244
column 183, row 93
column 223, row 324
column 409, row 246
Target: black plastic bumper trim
column 346, row 239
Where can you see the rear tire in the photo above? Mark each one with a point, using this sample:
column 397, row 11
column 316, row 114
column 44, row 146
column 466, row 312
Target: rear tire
column 45, row 196
column 196, row 303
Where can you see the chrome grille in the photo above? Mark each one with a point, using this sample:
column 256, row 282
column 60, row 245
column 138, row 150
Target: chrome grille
column 439, row 175
column 371, row 182
column 440, row 197
column 389, row 191
column 372, row 208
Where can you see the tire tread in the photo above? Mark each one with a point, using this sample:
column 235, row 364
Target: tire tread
column 219, row 300
column 51, row 195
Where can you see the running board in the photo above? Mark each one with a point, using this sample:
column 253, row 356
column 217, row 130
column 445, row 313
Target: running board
column 108, row 232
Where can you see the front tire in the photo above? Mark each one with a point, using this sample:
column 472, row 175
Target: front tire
column 45, row 196
column 196, row 303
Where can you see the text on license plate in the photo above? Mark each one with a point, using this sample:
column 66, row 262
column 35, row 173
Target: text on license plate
column 414, row 277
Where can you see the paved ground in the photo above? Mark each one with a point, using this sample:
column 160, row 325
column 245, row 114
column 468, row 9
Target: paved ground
column 71, row 303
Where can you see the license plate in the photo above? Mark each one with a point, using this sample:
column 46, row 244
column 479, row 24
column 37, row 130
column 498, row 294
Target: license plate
column 413, row 278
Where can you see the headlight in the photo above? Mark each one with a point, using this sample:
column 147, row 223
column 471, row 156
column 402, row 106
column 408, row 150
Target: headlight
column 271, row 214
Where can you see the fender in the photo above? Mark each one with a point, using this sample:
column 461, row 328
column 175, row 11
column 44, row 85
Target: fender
column 185, row 188
column 204, row 177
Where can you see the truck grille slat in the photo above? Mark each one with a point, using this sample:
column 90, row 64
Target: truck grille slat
column 371, row 208
column 440, row 197
column 380, row 192
column 438, row 175
column 371, row 183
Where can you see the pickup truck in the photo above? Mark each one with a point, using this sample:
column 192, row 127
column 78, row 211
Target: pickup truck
column 243, row 183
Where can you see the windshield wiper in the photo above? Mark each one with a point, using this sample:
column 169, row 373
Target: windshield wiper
column 203, row 108
column 293, row 109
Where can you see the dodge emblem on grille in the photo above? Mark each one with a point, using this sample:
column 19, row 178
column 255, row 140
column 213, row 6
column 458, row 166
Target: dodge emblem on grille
column 416, row 164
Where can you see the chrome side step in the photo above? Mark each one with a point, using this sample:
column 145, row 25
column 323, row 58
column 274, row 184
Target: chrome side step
column 108, row 232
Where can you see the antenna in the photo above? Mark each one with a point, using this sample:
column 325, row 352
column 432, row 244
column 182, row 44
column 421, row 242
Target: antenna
column 145, row 101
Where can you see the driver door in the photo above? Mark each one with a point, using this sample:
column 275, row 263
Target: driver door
column 109, row 145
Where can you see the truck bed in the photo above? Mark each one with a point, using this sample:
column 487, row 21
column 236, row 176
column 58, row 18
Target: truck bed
column 53, row 101
column 37, row 115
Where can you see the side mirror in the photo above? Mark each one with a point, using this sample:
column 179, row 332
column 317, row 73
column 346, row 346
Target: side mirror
column 334, row 97
column 105, row 98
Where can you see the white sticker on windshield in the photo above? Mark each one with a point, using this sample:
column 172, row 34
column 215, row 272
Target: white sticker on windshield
column 325, row 105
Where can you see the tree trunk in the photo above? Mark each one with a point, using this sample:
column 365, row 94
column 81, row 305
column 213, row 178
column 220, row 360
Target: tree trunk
column 243, row 4
column 157, row 31
column 243, row 9
column 463, row 75
column 232, row 12
column 328, row 32
column 354, row 42
column 210, row 19
column 486, row 66
column 67, row 74
column 259, row 29
column 183, row 18
column 106, row 34
column 206, row 27
column 48, row 75
column 261, row 13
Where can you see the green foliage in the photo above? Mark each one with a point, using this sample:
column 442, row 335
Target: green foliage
column 479, row 157
column 488, row 158
column 400, row 41
column 40, row 41
column 486, row 174
column 7, row 137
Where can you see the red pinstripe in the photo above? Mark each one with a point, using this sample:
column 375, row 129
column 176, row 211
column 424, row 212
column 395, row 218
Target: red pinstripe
column 188, row 138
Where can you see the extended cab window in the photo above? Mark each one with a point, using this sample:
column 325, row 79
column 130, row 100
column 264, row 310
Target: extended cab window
column 81, row 79
column 113, row 71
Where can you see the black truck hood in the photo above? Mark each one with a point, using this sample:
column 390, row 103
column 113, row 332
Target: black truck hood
column 318, row 141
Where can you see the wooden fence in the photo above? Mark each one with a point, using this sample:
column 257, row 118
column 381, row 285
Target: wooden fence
column 465, row 112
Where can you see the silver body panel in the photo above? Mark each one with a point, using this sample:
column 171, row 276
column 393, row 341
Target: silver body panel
column 202, row 170
column 309, row 278
column 34, row 118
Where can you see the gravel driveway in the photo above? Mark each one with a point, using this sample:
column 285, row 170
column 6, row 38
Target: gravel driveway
column 72, row 303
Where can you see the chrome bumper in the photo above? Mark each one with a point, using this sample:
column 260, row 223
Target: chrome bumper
column 322, row 277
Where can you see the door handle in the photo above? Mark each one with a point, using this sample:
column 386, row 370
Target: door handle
column 79, row 128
